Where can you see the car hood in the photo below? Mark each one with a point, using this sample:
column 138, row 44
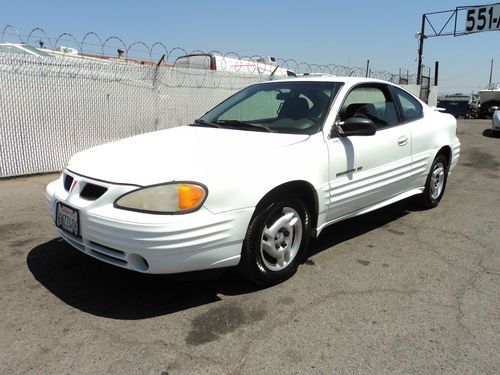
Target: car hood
column 186, row 153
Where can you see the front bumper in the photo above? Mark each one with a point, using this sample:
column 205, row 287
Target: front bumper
column 146, row 242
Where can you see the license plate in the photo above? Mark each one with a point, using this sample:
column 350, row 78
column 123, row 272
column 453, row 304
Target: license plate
column 67, row 219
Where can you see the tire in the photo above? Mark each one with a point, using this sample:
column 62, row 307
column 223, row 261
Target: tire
column 435, row 183
column 276, row 241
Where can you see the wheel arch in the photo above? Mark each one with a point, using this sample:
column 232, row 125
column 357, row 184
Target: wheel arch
column 446, row 152
column 302, row 190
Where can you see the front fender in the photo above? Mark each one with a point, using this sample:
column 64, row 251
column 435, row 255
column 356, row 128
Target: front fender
column 245, row 184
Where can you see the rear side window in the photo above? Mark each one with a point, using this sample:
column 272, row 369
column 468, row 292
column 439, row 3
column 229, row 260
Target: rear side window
column 411, row 107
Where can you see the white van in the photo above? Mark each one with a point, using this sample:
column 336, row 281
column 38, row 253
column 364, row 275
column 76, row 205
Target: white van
column 212, row 61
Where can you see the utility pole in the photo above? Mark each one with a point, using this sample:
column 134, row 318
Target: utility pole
column 436, row 73
column 421, row 50
column 491, row 70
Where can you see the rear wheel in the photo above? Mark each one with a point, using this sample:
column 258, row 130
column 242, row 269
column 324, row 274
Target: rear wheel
column 436, row 182
column 276, row 241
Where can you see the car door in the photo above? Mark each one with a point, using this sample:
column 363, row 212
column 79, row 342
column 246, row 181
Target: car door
column 422, row 152
column 366, row 170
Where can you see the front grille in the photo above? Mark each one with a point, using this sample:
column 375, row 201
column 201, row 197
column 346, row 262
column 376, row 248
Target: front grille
column 68, row 180
column 107, row 250
column 92, row 192
column 107, row 254
column 107, row 258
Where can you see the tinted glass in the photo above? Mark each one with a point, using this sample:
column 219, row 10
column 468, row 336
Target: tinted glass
column 285, row 107
column 371, row 102
column 411, row 107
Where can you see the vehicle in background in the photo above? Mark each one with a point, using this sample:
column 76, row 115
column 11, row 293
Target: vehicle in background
column 213, row 61
column 489, row 97
column 495, row 119
column 22, row 49
column 305, row 75
column 457, row 105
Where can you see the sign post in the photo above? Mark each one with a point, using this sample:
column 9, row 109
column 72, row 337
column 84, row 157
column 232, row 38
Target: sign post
column 476, row 19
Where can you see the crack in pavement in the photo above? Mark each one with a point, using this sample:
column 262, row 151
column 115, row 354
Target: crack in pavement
column 472, row 284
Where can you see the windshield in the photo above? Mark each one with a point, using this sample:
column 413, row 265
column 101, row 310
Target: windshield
column 282, row 107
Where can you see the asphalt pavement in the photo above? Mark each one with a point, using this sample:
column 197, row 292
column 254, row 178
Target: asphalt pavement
column 399, row 290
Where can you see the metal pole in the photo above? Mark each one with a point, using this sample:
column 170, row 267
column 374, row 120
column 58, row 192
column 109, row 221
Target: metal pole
column 367, row 67
column 491, row 70
column 436, row 73
column 421, row 50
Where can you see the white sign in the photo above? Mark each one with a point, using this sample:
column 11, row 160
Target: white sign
column 482, row 18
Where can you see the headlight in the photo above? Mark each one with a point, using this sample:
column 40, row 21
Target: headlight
column 170, row 198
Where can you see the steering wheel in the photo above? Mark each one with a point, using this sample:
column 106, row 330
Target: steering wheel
column 375, row 119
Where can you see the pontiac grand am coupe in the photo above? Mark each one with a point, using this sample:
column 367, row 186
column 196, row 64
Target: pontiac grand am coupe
column 254, row 179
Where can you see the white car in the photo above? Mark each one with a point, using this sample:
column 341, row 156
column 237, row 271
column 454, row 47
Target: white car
column 495, row 119
column 254, row 179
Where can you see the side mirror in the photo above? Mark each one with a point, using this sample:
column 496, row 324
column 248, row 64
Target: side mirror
column 354, row 126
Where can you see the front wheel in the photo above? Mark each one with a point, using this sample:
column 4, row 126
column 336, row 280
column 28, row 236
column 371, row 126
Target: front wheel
column 276, row 241
column 436, row 182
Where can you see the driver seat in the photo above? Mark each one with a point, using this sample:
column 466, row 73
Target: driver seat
column 295, row 108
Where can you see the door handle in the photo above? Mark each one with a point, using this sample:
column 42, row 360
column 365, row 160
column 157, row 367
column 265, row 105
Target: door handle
column 402, row 141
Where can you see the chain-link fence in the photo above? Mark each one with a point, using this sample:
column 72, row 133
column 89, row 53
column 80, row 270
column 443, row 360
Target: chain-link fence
column 51, row 108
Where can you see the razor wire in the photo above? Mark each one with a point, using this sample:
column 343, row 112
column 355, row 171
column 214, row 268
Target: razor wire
column 141, row 51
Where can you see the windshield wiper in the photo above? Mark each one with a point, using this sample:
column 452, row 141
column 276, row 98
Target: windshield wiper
column 244, row 124
column 201, row 122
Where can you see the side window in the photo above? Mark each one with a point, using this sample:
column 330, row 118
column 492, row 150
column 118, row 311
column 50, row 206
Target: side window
column 411, row 107
column 371, row 102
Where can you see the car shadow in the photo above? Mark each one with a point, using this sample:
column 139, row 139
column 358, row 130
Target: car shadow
column 104, row 290
column 356, row 226
column 488, row 133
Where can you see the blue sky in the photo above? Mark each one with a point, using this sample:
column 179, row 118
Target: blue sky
column 313, row 31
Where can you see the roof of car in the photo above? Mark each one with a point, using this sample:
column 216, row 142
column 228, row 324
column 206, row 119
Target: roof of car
column 337, row 79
